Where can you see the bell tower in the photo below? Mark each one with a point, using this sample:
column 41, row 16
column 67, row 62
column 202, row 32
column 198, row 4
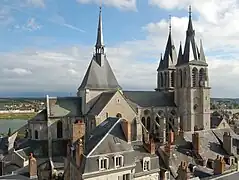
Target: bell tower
column 192, row 94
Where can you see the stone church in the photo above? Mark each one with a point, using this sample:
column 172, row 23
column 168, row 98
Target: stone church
column 180, row 102
column 106, row 132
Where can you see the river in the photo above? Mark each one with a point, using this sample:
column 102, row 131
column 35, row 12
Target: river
column 14, row 124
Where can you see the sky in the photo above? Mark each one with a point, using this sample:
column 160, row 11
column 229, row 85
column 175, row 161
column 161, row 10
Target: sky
column 46, row 45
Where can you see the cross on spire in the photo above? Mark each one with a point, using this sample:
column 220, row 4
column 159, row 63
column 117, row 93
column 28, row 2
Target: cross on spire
column 190, row 11
column 170, row 23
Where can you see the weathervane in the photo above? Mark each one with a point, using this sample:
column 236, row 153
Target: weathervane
column 170, row 23
column 190, row 11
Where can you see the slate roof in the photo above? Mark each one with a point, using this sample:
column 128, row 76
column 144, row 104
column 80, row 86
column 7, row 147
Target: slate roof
column 99, row 77
column 170, row 55
column 108, row 140
column 41, row 116
column 150, row 98
column 210, row 146
column 101, row 102
column 65, row 106
column 229, row 176
column 100, row 133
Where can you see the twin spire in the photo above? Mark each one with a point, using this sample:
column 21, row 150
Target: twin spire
column 191, row 51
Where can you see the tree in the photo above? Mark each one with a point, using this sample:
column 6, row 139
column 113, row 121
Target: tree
column 9, row 132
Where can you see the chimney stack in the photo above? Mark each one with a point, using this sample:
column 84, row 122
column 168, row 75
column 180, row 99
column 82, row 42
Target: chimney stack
column 32, row 166
column 183, row 171
column 79, row 152
column 171, row 137
column 196, row 142
column 126, row 126
column 150, row 146
column 219, row 165
column 78, row 131
column 227, row 142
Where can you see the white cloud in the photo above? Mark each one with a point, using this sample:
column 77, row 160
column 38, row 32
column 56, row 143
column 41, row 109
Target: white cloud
column 121, row 4
column 16, row 71
column 30, row 25
column 135, row 62
column 36, row 3
column 60, row 20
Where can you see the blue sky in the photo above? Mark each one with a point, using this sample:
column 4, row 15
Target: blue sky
column 46, row 45
column 70, row 22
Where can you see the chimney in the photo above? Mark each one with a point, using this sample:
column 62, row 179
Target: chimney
column 78, row 131
column 227, row 142
column 126, row 126
column 168, row 149
column 32, row 166
column 150, row 146
column 1, row 167
column 219, row 165
column 196, row 142
column 171, row 137
column 79, row 152
column 183, row 171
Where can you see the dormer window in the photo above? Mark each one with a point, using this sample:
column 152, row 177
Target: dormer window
column 103, row 163
column 119, row 160
column 146, row 164
column 167, row 175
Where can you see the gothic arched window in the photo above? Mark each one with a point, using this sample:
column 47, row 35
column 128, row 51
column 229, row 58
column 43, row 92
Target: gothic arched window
column 36, row 134
column 161, row 79
column 180, row 78
column 202, row 75
column 165, row 79
column 157, row 121
column 59, row 129
column 194, row 77
column 185, row 78
column 172, row 78
column 148, row 123
column 143, row 121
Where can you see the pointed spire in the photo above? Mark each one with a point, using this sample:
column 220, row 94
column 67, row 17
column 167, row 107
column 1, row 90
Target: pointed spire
column 160, row 62
column 180, row 54
column 202, row 55
column 99, row 41
column 170, row 54
column 190, row 24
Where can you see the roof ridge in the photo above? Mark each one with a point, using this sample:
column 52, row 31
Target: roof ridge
column 106, row 134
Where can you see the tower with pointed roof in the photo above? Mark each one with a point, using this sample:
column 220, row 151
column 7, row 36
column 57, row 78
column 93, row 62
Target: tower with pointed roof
column 166, row 70
column 192, row 92
column 99, row 76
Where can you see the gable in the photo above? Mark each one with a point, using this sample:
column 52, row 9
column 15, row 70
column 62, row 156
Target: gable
column 118, row 105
